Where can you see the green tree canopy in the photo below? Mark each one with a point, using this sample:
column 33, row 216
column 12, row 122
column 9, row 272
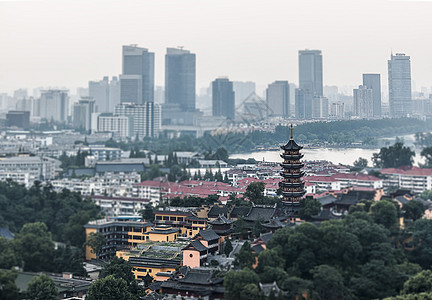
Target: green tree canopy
column 413, row 209
column 255, row 192
column 394, row 156
column 235, row 281
column 96, row 241
column 42, row 288
column 244, row 258
column 309, row 207
column 385, row 213
column 8, row 288
column 110, row 287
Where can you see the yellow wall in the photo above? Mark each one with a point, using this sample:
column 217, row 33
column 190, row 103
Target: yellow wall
column 88, row 251
column 151, row 271
column 162, row 237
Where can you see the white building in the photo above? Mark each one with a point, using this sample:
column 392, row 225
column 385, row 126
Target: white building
column 363, row 102
column 53, row 105
column 36, row 167
column 411, row 178
column 119, row 126
column 146, row 118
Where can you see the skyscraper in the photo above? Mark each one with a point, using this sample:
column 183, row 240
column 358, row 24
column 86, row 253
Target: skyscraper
column 373, row 82
column 53, row 105
column 99, row 91
column 299, row 104
column 310, row 78
column 399, row 76
column 363, row 102
column 137, row 79
column 146, row 118
column 180, row 78
column 320, row 107
column 242, row 90
column 278, row 99
column 223, row 98
column 82, row 113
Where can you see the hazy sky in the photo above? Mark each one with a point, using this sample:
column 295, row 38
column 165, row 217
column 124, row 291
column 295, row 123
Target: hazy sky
column 69, row 42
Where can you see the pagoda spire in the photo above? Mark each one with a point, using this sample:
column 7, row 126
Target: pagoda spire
column 291, row 130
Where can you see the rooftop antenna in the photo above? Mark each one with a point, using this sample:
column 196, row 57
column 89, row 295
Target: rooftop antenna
column 180, row 47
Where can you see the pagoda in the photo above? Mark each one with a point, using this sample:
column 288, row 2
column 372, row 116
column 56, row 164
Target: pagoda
column 292, row 185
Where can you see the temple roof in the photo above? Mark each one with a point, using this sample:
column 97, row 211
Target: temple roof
column 291, row 145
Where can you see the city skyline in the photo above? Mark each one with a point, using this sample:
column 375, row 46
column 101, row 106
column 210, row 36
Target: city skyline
column 240, row 48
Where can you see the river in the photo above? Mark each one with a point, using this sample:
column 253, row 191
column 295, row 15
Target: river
column 346, row 156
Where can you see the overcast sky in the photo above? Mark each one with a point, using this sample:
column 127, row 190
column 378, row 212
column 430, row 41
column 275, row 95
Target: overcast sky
column 69, row 42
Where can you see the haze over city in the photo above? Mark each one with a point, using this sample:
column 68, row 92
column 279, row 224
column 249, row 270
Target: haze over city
column 67, row 43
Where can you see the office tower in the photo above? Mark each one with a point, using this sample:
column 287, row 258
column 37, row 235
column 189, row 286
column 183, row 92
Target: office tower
column 146, row 118
column 299, row 104
column 320, row 107
column 82, row 113
column 119, row 126
column 53, row 105
column 137, row 79
column 180, row 78
column 223, row 98
column 159, row 95
column 399, row 76
column 99, row 91
column 373, row 81
column 243, row 90
column 20, row 94
column 310, row 77
column 364, row 102
column 278, row 99
column 337, row 110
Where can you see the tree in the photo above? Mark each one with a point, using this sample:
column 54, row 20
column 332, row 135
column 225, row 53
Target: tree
column 35, row 246
column 393, row 156
column 42, row 287
column 258, row 228
column 228, row 247
column 328, row 283
column 241, row 228
column 269, row 258
column 361, row 163
column 421, row 282
column 221, row 154
column 422, row 242
column 147, row 213
column 96, row 241
column 427, row 154
column 8, row 288
column 384, row 212
column 109, row 287
column 8, row 257
column 244, row 258
column 235, row 281
column 309, row 207
column 255, row 192
column 413, row 210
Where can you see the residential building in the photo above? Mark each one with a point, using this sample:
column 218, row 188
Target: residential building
column 99, row 91
column 119, row 126
column 180, row 78
column 399, row 77
column 373, row 82
column 37, row 168
column 82, row 114
column 53, row 105
column 363, row 102
column 242, row 91
column 137, row 79
column 278, row 99
column 223, row 98
column 102, row 153
column 320, row 107
column 411, row 178
column 300, row 104
column 146, row 118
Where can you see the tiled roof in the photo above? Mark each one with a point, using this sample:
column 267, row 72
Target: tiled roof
column 208, row 235
column 260, row 213
column 197, row 245
column 408, row 170
column 216, row 211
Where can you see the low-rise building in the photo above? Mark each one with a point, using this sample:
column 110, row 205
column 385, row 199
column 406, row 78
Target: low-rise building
column 37, row 168
column 412, row 178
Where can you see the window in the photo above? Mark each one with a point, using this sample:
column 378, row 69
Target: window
column 191, row 255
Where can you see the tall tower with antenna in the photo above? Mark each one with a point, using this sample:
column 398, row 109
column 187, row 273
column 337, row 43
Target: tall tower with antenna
column 292, row 185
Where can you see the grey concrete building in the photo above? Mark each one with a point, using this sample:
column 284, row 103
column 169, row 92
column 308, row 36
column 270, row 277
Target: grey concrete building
column 399, row 76
column 363, row 102
column 223, row 98
column 310, row 78
column 373, row 82
column 278, row 99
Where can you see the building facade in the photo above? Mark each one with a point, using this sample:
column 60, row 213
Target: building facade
column 223, row 98
column 82, row 114
column 119, row 126
column 278, row 99
column 54, row 105
column 373, row 82
column 363, row 102
column 137, row 79
column 180, row 78
column 146, row 118
column 399, row 76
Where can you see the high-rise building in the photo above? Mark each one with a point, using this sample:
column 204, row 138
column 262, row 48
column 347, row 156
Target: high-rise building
column 180, row 76
column 399, row 76
column 20, row 119
column 299, row 104
column 373, row 82
column 310, row 78
column 105, row 93
column 363, row 102
column 223, row 98
column 278, row 99
column 146, row 118
column 137, row 79
column 82, row 113
column 53, row 105
column 99, row 91
column 320, row 107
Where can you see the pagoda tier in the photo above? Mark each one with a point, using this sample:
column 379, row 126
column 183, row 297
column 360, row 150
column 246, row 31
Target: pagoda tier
column 292, row 186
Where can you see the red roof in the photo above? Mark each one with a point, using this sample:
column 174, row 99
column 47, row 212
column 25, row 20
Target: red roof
column 355, row 176
column 408, row 170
